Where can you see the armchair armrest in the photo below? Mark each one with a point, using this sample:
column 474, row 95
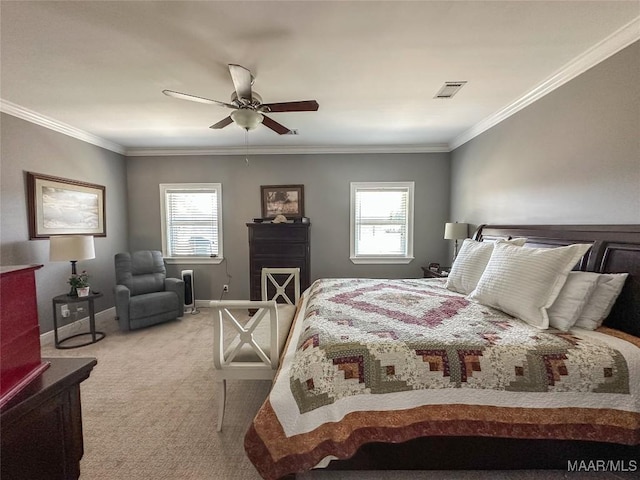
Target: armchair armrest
column 122, row 295
column 176, row 285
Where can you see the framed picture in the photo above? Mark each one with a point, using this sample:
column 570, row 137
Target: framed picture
column 59, row 206
column 287, row 200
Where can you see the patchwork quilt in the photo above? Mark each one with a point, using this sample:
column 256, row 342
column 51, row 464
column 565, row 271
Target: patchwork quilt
column 390, row 360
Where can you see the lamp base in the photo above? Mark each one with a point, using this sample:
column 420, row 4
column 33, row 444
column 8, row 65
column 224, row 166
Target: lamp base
column 455, row 249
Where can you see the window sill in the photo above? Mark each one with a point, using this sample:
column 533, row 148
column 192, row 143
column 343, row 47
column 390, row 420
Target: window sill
column 193, row 260
column 380, row 260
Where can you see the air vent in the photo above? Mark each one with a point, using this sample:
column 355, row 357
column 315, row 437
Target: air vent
column 449, row 89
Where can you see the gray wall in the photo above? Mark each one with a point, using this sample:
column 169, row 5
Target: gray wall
column 26, row 147
column 571, row 157
column 326, row 186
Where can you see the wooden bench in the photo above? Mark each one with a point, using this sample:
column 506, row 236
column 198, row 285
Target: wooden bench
column 255, row 350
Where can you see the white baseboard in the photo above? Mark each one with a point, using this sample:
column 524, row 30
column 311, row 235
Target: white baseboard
column 79, row 326
column 82, row 325
column 197, row 305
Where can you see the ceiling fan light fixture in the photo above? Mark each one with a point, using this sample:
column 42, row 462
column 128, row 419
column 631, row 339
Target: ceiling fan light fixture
column 247, row 118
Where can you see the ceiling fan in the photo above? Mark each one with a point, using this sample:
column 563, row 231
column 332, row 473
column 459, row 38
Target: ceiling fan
column 248, row 109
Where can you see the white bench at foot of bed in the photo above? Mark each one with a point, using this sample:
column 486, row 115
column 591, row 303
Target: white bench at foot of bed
column 254, row 353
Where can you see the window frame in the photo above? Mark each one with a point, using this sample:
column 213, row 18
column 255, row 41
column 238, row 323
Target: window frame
column 209, row 187
column 381, row 259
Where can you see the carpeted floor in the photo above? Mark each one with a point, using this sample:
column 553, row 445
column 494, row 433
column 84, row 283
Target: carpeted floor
column 150, row 412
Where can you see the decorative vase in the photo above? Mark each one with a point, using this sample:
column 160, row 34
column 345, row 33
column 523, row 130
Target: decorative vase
column 83, row 291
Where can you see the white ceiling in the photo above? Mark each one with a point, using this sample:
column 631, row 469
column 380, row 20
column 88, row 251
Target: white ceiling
column 98, row 68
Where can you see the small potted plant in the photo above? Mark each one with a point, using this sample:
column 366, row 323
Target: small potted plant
column 79, row 284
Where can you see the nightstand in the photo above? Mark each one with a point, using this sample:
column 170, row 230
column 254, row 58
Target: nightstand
column 426, row 273
column 64, row 299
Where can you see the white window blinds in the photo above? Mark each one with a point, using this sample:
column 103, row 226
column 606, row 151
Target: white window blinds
column 382, row 215
column 192, row 220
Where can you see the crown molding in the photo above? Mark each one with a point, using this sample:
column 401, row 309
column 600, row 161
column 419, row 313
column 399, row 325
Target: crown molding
column 53, row 124
column 621, row 38
column 279, row 150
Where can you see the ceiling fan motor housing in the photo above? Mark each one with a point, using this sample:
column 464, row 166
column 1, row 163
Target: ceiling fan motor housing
column 255, row 101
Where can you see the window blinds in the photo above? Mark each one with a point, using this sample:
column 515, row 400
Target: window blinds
column 381, row 221
column 192, row 223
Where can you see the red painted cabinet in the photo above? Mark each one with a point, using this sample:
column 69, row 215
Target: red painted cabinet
column 20, row 360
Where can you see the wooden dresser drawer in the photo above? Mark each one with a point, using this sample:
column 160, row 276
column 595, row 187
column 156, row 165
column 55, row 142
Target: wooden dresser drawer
column 279, row 232
column 280, row 249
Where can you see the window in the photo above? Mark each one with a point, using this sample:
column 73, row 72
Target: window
column 381, row 222
column 191, row 222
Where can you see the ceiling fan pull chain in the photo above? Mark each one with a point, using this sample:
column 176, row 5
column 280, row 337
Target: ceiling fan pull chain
column 246, row 145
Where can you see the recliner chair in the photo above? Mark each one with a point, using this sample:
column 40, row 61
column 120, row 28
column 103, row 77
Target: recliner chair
column 143, row 294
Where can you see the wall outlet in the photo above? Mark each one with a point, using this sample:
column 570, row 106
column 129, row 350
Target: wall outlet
column 225, row 288
column 64, row 311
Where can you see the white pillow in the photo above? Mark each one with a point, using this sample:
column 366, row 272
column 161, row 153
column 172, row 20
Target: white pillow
column 602, row 299
column 524, row 282
column 572, row 299
column 471, row 261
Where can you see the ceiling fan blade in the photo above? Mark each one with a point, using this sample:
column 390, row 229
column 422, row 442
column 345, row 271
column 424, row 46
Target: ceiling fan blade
column 193, row 98
column 242, row 80
column 302, row 106
column 275, row 126
column 222, row 123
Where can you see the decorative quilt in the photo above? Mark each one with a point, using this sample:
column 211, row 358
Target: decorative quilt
column 406, row 358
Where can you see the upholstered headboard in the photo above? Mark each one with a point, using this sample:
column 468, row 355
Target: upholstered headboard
column 616, row 249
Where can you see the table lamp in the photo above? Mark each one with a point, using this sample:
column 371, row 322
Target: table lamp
column 455, row 231
column 71, row 248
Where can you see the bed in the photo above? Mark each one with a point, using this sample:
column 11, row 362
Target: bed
column 407, row 374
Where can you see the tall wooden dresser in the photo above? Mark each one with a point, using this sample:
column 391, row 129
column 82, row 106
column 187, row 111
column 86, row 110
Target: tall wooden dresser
column 278, row 245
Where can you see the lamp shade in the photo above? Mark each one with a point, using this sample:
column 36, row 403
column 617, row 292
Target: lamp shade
column 71, row 248
column 455, row 231
column 246, row 118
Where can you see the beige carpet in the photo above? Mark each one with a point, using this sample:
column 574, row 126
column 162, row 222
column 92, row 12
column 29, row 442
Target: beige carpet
column 150, row 412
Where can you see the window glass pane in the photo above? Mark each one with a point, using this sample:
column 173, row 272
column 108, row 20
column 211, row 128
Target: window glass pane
column 381, row 240
column 385, row 205
column 381, row 217
column 191, row 223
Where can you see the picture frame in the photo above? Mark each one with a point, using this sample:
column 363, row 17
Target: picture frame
column 61, row 206
column 287, row 200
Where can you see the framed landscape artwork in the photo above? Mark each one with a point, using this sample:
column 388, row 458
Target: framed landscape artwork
column 59, row 206
column 287, row 200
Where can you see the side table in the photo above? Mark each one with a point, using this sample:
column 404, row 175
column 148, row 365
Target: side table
column 66, row 299
column 426, row 273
